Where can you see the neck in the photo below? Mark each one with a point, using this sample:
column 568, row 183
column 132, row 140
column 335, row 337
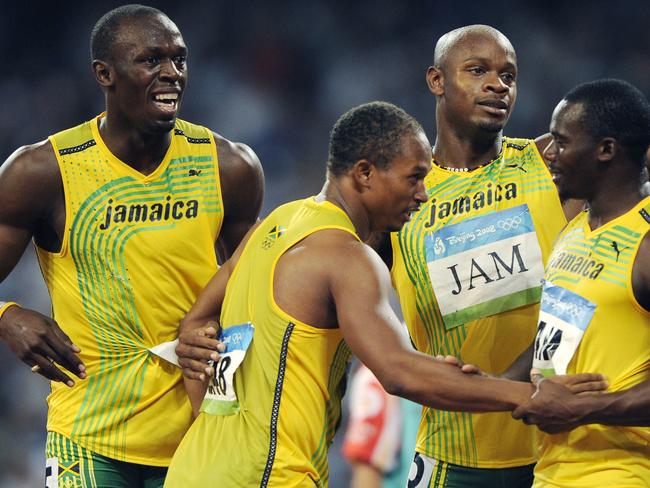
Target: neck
column 339, row 192
column 142, row 151
column 613, row 202
column 460, row 148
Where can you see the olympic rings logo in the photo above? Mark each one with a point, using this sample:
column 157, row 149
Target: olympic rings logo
column 510, row 223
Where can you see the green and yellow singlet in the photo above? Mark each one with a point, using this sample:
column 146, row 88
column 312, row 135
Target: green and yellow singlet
column 270, row 414
column 136, row 252
column 468, row 269
column 590, row 321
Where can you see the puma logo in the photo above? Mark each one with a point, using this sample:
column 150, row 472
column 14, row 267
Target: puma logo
column 618, row 250
column 194, row 172
column 518, row 166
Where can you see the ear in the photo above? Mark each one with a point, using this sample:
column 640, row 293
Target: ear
column 435, row 80
column 362, row 173
column 607, row 149
column 103, row 73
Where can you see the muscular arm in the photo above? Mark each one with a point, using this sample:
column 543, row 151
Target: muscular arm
column 370, row 328
column 30, row 195
column 242, row 190
column 199, row 329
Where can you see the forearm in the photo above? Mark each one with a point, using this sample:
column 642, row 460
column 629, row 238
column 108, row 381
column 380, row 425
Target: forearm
column 443, row 386
column 195, row 391
column 519, row 370
column 628, row 407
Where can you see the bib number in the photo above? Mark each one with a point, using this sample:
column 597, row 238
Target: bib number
column 485, row 265
column 220, row 397
column 563, row 319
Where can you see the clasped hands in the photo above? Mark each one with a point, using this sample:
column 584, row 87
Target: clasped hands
column 559, row 403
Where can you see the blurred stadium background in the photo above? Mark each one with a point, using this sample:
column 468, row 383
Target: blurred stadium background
column 276, row 75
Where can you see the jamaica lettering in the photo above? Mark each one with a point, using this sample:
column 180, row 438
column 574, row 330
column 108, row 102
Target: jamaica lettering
column 589, row 268
column 467, row 203
column 156, row 212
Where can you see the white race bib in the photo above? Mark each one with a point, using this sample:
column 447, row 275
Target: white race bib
column 563, row 318
column 485, row 265
column 220, row 397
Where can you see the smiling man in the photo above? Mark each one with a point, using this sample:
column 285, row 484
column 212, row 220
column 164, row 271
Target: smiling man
column 468, row 266
column 595, row 312
column 128, row 213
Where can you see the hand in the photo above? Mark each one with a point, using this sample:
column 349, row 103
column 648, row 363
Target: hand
column 465, row 368
column 39, row 342
column 583, row 383
column 198, row 346
column 553, row 408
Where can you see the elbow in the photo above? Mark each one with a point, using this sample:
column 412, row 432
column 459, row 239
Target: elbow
column 394, row 381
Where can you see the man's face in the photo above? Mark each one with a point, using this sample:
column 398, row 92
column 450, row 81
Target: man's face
column 399, row 190
column 479, row 83
column 572, row 154
column 149, row 59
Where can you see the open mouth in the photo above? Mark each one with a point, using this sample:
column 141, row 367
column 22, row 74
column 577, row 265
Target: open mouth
column 496, row 107
column 409, row 213
column 166, row 102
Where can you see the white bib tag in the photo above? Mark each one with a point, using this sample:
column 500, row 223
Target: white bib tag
column 563, row 318
column 220, row 397
column 485, row 265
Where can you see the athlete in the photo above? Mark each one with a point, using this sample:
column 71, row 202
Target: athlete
column 125, row 211
column 299, row 293
column 595, row 310
column 468, row 265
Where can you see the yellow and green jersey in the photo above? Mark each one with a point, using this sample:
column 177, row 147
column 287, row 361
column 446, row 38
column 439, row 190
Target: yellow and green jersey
column 591, row 322
column 468, row 269
column 136, row 252
column 274, row 403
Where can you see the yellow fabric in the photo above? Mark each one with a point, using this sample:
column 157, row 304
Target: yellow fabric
column 137, row 251
column 5, row 305
column 615, row 344
column 518, row 176
column 289, row 385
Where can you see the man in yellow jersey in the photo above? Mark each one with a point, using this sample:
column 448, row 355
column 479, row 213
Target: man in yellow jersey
column 468, row 266
column 595, row 311
column 125, row 212
column 300, row 292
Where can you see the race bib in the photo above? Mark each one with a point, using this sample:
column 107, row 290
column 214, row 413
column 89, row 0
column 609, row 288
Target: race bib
column 220, row 397
column 563, row 318
column 485, row 265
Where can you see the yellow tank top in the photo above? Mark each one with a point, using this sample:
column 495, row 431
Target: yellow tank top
column 591, row 322
column 467, row 269
column 288, row 389
column 136, row 252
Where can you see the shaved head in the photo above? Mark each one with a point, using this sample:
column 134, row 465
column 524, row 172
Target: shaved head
column 466, row 35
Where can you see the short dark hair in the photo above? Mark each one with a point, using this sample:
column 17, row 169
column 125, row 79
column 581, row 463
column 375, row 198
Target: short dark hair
column 106, row 29
column 371, row 131
column 615, row 108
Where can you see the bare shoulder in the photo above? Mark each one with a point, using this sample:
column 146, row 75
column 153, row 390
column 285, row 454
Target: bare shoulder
column 32, row 161
column 31, row 174
column 238, row 163
column 348, row 258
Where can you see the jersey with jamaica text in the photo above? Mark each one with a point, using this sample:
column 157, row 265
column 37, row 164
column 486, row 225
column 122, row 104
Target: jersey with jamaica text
column 468, row 269
column 136, row 252
column 591, row 322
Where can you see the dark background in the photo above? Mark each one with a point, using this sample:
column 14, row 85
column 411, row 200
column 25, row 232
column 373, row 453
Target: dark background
column 276, row 75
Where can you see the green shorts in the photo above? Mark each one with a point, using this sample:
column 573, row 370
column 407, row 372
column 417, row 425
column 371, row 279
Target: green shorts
column 69, row 465
column 430, row 473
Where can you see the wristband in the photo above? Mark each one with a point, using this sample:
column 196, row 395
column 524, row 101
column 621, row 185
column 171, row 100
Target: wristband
column 5, row 305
